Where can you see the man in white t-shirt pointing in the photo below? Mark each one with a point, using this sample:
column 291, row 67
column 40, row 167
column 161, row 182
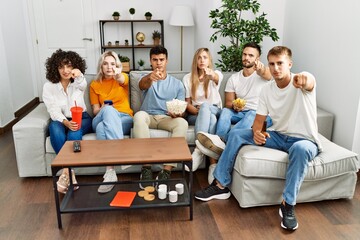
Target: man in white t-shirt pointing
column 290, row 100
column 246, row 85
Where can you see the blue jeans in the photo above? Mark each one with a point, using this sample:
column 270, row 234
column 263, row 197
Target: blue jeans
column 206, row 119
column 242, row 120
column 301, row 152
column 109, row 123
column 59, row 134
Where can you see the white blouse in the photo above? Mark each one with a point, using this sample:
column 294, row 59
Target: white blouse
column 58, row 102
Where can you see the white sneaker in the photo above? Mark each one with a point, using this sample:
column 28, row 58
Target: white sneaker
column 211, row 142
column 211, row 173
column 206, row 151
column 197, row 159
column 109, row 176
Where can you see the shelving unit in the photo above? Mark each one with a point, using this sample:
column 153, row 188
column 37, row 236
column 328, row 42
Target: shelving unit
column 132, row 44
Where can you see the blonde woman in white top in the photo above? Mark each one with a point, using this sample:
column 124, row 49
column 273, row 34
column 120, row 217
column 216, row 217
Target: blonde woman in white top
column 203, row 97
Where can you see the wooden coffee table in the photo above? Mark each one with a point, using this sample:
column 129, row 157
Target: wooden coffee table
column 120, row 152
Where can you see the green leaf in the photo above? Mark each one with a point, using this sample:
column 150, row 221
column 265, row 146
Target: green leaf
column 227, row 21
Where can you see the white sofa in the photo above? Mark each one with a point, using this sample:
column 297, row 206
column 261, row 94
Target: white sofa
column 258, row 176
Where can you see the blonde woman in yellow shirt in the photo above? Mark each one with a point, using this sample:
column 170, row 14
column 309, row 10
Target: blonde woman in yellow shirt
column 109, row 98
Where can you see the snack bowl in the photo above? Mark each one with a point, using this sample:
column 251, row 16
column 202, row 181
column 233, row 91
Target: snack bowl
column 240, row 103
column 176, row 106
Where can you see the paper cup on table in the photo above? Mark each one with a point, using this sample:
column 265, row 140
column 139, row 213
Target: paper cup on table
column 173, row 196
column 179, row 188
column 76, row 114
column 162, row 193
column 162, row 186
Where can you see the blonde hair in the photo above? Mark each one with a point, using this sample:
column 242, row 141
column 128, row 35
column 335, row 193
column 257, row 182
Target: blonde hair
column 195, row 72
column 100, row 73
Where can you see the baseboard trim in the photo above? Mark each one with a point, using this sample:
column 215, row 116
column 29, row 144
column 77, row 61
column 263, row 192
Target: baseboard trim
column 20, row 114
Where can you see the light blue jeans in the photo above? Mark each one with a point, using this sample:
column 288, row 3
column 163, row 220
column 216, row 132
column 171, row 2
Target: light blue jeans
column 59, row 134
column 109, row 123
column 242, row 120
column 206, row 118
column 301, row 152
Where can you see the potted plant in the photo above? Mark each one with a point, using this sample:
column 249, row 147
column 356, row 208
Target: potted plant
column 156, row 35
column 125, row 62
column 117, row 43
column 141, row 64
column 116, row 15
column 148, row 15
column 126, row 42
column 132, row 12
column 228, row 22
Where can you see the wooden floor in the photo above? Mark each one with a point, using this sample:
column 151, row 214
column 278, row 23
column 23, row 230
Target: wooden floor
column 27, row 211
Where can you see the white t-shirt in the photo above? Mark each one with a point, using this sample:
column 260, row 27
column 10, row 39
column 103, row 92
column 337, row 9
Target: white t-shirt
column 58, row 102
column 214, row 97
column 293, row 111
column 247, row 88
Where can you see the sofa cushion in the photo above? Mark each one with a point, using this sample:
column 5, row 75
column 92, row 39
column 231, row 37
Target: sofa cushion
column 262, row 162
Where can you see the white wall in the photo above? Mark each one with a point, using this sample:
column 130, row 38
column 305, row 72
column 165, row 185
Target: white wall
column 17, row 76
column 324, row 37
column 6, row 108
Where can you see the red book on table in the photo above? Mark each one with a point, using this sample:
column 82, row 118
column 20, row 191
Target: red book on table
column 123, row 199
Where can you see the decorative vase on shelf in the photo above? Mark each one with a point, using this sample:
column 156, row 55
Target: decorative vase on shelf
column 132, row 12
column 140, row 37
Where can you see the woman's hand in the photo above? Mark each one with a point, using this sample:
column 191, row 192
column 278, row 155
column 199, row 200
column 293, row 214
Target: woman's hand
column 73, row 126
column 75, row 73
column 118, row 76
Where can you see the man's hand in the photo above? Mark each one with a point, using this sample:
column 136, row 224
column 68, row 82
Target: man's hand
column 173, row 115
column 300, row 80
column 259, row 66
column 304, row 81
column 156, row 75
column 237, row 108
column 260, row 137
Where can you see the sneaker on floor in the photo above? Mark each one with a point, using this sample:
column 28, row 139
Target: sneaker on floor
column 109, row 176
column 211, row 173
column 146, row 174
column 163, row 175
column 197, row 159
column 211, row 142
column 212, row 192
column 206, row 151
column 287, row 213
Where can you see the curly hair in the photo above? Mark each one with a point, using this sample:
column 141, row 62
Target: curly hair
column 59, row 59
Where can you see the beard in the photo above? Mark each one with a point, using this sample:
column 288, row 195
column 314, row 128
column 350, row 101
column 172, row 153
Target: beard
column 248, row 64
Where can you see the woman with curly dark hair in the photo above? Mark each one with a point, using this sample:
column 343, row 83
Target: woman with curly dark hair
column 65, row 89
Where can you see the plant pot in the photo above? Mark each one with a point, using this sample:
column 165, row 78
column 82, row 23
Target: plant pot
column 157, row 41
column 125, row 66
column 131, row 16
column 148, row 18
column 141, row 68
column 116, row 18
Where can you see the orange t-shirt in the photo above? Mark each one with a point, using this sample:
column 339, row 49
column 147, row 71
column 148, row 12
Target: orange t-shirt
column 110, row 89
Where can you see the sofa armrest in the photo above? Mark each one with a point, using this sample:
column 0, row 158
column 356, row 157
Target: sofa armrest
column 325, row 121
column 29, row 139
